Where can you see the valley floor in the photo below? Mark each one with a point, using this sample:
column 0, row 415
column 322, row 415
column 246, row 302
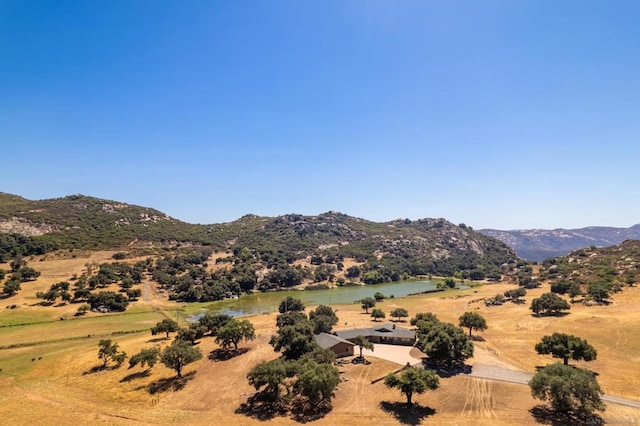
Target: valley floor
column 47, row 378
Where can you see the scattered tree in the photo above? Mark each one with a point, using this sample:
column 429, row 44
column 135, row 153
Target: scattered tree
column 379, row 296
column 363, row 343
column 413, row 380
column 473, row 321
column 399, row 313
column 549, row 304
column 11, row 287
column 211, row 322
column 234, row 331
column 515, row 294
column 377, row 314
column 294, row 340
column 575, row 291
column 570, row 390
column 323, row 319
column 424, row 316
column 178, row 355
column 148, row 357
column 108, row 301
column 108, row 351
column 291, row 304
column 565, row 347
column 368, row 303
column 446, row 344
column 290, row 318
column 165, row 326
column 599, row 291
column 269, row 375
column 188, row 335
column 82, row 309
column 317, row 380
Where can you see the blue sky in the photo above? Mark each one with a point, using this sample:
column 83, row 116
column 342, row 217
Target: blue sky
column 500, row 114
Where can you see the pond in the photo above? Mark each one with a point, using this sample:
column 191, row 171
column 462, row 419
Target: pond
column 258, row 303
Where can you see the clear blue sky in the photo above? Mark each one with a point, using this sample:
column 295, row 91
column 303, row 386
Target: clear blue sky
column 502, row 114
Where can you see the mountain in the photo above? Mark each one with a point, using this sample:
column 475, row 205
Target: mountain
column 426, row 246
column 539, row 244
column 616, row 266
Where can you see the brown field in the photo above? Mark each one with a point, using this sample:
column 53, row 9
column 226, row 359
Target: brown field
column 48, row 381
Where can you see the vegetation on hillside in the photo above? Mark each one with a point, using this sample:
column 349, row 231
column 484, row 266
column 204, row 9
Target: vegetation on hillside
column 593, row 274
column 384, row 252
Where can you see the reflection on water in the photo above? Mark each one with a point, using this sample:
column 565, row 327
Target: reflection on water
column 258, row 303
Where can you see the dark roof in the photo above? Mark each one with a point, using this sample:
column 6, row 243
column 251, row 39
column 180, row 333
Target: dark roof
column 381, row 330
column 327, row 341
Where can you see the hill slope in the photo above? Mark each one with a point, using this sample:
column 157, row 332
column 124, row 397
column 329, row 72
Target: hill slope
column 427, row 246
column 539, row 244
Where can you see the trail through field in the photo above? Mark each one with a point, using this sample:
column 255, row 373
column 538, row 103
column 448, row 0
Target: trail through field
column 478, row 400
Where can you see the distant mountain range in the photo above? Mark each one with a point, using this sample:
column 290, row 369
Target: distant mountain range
column 540, row 244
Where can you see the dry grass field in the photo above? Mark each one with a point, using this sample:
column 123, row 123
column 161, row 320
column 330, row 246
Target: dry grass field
column 47, row 378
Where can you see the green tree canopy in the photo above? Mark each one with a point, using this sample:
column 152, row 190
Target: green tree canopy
column 549, row 304
column 569, row 390
column 367, row 303
column 446, row 344
column 165, row 326
column 323, row 319
column 399, row 313
column 11, row 287
column 317, row 381
column 108, row 351
column 290, row 304
column 294, row 340
column 363, row 343
column 148, row 356
column 211, row 322
column 413, row 380
column 424, row 316
column 599, row 291
column 178, row 355
column 377, row 314
column 234, row 331
column 269, row 375
column 473, row 321
column 565, row 347
column 515, row 294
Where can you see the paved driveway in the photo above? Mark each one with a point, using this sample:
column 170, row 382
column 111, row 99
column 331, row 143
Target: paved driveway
column 394, row 353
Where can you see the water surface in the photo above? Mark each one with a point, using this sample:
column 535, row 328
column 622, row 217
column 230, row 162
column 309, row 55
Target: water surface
column 258, row 303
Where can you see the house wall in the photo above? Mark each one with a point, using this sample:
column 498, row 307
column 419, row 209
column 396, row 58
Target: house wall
column 342, row 349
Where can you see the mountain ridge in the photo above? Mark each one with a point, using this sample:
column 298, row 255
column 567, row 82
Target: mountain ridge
column 399, row 247
column 540, row 244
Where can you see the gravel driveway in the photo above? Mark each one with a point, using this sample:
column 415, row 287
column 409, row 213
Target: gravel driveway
column 394, row 353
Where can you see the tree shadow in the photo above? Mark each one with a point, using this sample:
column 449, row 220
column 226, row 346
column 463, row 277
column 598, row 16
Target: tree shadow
column 226, row 354
column 547, row 416
column 553, row 314
column 477, row 338
column 134, row 376
column 99, row 368
column 447, row 371
column 261, row 407
column 173, row 384
column 304, row 411
column 158, row 339
column 407, row 414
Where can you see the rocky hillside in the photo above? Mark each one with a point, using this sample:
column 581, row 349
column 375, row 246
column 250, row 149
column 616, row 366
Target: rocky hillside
column 427, row 246
column 607, row 269
column 539, row 244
